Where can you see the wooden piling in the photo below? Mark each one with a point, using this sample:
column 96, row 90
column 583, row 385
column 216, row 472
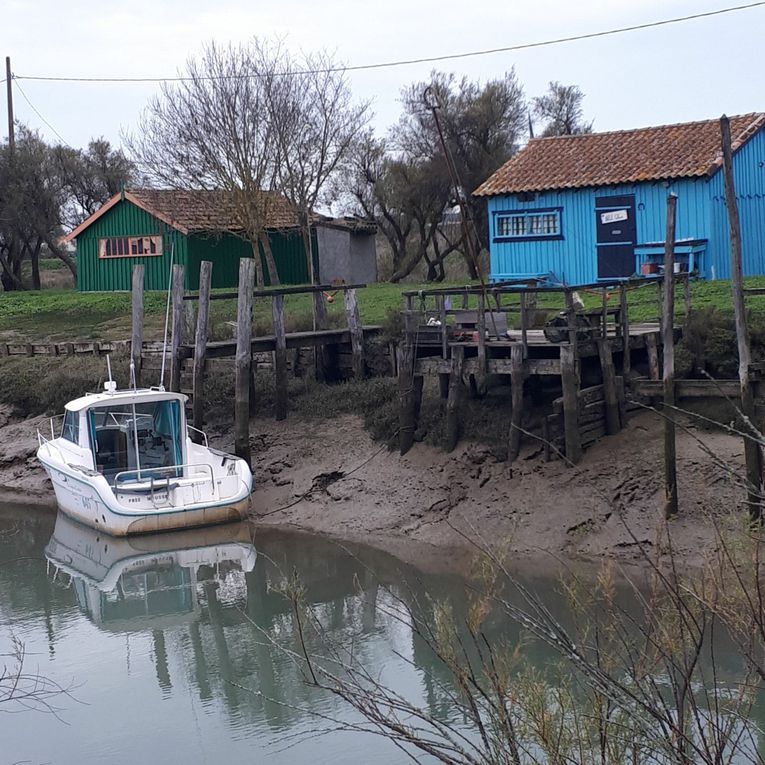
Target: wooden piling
column 200, row 344
column 407, row 405
column 280, row 357
column 652, row 347
column 136, row 338
column 516, row 415
column 624, row 324
column 480, row 377
column 668, row 338
column 178, row 287
column 357, row 333
column 321, row 323
column 604, row 318
column 571, row 318
column 524, row 325
column 453, row 401
column 610, row 393
column 570, row 383
column 243, row 359
column 752, row 451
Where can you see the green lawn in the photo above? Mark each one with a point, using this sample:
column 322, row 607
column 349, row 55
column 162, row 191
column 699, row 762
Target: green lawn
column 63, row 315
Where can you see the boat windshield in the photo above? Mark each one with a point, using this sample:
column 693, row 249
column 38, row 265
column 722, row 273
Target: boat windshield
column 144, row 437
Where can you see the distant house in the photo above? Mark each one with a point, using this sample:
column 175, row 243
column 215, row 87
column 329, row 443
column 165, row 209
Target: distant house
column 591, row 207
column 150, row 226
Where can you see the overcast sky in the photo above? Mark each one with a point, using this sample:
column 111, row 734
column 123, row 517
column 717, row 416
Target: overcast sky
column 694, row 70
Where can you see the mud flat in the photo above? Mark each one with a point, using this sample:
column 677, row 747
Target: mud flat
column 435, row 509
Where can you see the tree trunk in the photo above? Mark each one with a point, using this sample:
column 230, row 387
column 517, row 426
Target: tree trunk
column 259, row 282
column 273, row 274
column 34, row 256
column 67, row 259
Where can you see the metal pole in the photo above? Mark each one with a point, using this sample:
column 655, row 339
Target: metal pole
column 9, row 92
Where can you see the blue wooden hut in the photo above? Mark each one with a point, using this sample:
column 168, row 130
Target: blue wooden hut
column 591, row 207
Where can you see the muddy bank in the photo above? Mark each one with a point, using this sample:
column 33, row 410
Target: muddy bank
column 430, row 508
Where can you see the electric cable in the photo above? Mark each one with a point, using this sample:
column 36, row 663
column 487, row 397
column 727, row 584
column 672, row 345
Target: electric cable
column 423, row 60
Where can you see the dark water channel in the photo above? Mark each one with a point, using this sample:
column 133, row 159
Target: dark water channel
column 162, row 642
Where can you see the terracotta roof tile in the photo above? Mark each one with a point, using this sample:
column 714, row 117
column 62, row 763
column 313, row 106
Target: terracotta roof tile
column 687, row 150
column 210, row 210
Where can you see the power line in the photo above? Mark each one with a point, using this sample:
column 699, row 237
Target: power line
column 14, row 80
column 425, row 60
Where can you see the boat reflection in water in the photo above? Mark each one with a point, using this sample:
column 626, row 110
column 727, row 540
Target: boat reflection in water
column 149, row 581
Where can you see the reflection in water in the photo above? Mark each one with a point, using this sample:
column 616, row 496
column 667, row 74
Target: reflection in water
column 186, row 631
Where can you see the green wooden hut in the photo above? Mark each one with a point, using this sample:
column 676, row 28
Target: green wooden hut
column 150, row 226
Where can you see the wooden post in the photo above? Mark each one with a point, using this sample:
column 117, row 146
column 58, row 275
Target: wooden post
column 442, row 318
column 524, row 326
column 357, row 333
column 752, row 452
column 407, row 404
column 570, row 383
column 610, row 395
column 136, row 341
column 570, row 318
column 668, row 338
column 653, row 355
column 243, row 359
column 453, row 402
column 175, row 347
column 280, row 357
column 624, row 323
column 200, row 343
column 480, row 377
column 516, row 416
column 605, row 312
column 320, row 319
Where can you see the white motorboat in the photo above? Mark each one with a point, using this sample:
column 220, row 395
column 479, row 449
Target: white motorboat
column 124, row 462
column 146, row 582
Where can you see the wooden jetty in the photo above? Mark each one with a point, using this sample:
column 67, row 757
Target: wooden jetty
column 465, row 336
column 187, row 324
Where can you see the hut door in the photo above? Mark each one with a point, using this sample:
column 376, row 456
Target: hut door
column 616, row 236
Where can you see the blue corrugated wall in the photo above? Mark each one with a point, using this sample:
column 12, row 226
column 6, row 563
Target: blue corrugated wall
column 701, row 214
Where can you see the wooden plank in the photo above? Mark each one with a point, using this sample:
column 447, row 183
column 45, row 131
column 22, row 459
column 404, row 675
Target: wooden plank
column 243, row 360
column 200, row 343
column 177, row 326
column 280, row 356
column 357, row 333
column 613, row 423
column 136, row 335
column 270, row 292
column 435, row 365
column 752, row 450
column 668, row 338
column 570, row 384
column 516, row 415
column 453, row 400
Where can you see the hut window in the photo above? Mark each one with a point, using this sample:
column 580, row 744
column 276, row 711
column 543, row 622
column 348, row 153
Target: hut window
column 528, row 224
column 129, row 246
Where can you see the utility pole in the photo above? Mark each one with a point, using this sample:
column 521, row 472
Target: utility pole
column 9, row 92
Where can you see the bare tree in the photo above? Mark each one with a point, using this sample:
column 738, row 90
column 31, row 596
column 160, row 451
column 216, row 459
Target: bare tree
column 212, row 131
column 315, row 122
column 561, row 110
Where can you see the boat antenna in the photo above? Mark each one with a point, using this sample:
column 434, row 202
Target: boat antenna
column 167, row 317
column 110, row 386
column 133, row 382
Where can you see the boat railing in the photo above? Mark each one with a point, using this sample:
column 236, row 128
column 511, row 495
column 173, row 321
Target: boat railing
column 43, row 441
column 160, row 478
column 201, row 433
column 52, row 420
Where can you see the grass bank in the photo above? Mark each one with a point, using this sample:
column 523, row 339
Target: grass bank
column 65, row 314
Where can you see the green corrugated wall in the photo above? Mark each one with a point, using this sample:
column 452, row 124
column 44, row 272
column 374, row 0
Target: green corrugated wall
column 107, row 274
column 224, row 250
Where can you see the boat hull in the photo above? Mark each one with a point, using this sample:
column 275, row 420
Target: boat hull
column 82, row 501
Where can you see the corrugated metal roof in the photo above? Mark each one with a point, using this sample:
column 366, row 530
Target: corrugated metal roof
column 687, row 150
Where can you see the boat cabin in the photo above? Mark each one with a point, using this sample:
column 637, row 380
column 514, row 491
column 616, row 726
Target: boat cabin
column 133, row 435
